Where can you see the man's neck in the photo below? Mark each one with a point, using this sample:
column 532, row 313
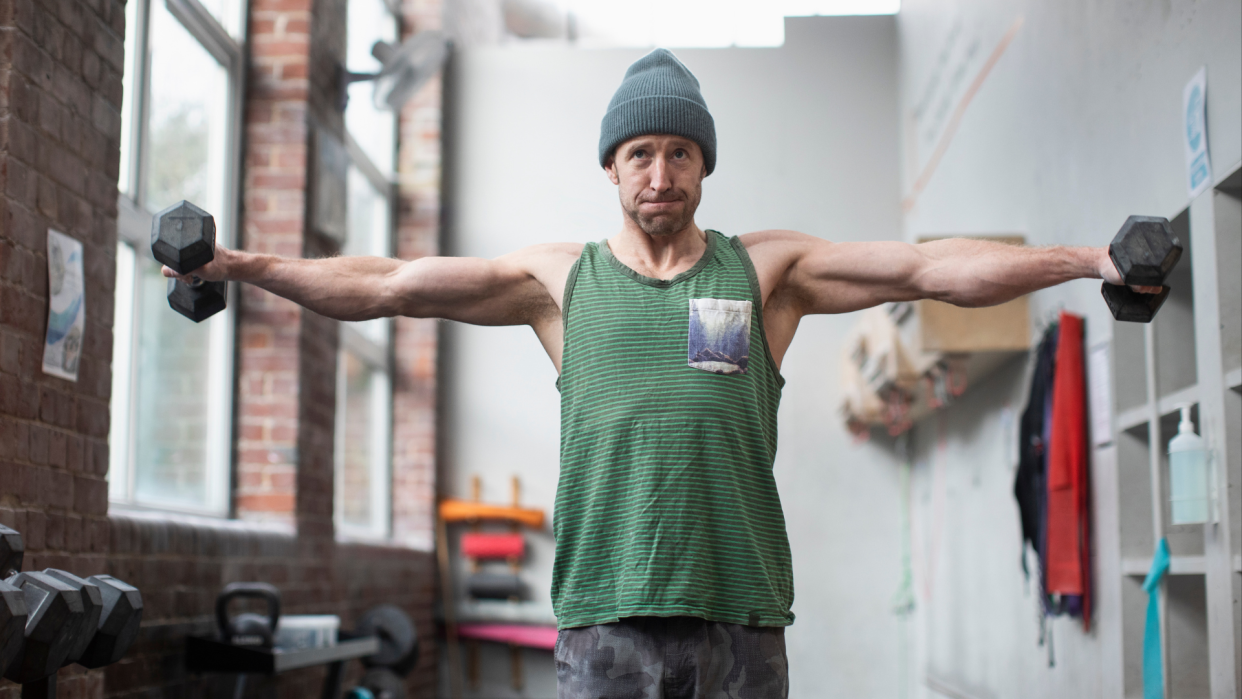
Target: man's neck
column 659, row 257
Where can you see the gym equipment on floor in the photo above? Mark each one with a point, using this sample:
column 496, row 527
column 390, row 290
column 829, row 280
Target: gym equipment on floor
column 397, row 636
column 54, row 618
column 92, row 606
column 11, row 552
column 385, row 640
column 183, row 237
column 248, row 629
column 119, row 621
column 13, row 616
column 1145, row 251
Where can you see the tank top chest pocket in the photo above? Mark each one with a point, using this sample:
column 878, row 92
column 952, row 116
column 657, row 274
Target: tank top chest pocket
column 719, row 335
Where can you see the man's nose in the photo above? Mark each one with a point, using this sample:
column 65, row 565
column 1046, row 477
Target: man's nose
column 659, row 175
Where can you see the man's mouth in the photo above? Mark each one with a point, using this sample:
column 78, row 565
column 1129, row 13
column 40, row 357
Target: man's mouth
column 660, row 205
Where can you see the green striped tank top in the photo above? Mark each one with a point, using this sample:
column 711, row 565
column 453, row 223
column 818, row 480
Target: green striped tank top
column 667, row 505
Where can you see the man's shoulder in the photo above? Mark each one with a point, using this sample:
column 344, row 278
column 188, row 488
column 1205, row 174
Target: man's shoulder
column 774, row 237
column 778, row 247
column 545, row 255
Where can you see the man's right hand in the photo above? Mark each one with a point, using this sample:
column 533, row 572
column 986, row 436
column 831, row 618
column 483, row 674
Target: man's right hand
column 214, row 271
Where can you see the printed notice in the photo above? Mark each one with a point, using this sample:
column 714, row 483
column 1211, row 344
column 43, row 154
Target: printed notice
column 1100, row 394
column 66, row 311
column 1194, row 113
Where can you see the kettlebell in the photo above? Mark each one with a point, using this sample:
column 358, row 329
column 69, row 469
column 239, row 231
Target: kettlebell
column 248, row 629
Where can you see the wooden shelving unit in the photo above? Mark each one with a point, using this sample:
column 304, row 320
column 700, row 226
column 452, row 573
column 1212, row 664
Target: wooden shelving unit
column 1190, row 355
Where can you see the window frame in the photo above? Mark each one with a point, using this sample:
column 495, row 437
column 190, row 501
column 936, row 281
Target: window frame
column 133, row 230
column 376, row 354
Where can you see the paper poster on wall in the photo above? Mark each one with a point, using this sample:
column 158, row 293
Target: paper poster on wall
column 1100, row 395
column 1194, row 131
column 66, row 308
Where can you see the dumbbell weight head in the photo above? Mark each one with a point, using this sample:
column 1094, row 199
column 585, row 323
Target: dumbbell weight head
column 183, row 237
column 1130, row 306
column 198, row 301
column 11, row 552
column 92, row 603
column 398, row 638
column 119, row 621
column 12, row 623
column 54, row 615
column 1144, row 251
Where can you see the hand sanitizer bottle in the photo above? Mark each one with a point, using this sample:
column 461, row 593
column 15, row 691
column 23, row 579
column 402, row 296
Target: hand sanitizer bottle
column 1189, row 477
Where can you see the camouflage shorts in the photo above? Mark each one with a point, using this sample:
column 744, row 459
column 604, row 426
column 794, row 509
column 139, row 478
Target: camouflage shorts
column 671, row 658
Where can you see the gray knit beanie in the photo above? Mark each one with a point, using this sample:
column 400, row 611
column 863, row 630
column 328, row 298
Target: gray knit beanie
column 659, row 95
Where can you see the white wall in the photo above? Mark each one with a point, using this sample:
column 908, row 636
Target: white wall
column 1077, row 126
column 808, row 139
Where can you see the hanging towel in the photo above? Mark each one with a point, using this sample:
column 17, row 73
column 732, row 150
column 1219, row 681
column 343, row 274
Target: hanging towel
column 1068, row 537
column 1153, row 667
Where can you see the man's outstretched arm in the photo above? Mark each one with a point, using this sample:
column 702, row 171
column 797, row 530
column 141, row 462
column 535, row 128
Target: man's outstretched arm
column 822, row 277
column 504, row 291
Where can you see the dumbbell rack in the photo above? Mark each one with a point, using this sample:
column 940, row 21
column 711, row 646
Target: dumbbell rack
column 212, row 655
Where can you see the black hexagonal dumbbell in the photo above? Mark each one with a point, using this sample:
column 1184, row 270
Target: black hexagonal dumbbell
column 1145, row 251
column 11, row 552
column 92, row 604
column 55, row 617
column 183, row 237
column 118, row 622
column 13, row 616
column 13, row 612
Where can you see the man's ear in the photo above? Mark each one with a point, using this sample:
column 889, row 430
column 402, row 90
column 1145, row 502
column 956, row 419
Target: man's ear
column 610, row 166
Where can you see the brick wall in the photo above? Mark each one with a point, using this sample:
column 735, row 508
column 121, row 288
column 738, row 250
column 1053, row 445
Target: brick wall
column 60, row 97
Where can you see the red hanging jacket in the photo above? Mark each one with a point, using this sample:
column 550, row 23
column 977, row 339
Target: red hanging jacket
column 1068, row 537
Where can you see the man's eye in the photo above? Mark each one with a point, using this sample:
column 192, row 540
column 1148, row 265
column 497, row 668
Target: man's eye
column 680, row 154
column 640, row 153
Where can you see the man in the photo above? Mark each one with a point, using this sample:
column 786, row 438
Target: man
column 672, row 574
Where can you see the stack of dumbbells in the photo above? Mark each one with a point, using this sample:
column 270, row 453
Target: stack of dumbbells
column 52, row 619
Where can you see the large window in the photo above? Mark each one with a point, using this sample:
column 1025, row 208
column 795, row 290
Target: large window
column 364, row 386
column 171, row 382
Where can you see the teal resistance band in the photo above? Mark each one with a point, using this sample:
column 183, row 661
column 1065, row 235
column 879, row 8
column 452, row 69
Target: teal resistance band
column 1153, row 669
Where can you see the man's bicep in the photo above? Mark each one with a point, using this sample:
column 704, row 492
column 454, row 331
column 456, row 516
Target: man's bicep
column 843, row 277
column 466, row 289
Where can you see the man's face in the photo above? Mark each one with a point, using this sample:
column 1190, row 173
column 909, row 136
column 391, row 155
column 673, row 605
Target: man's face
column 659, row 180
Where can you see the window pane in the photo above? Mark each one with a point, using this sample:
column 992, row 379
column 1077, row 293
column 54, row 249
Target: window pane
column 171, row 415
column 226, row 12
column 127, row 96
column 122, row 346
column 373, row 129
column 355, row 480
column 185, row 154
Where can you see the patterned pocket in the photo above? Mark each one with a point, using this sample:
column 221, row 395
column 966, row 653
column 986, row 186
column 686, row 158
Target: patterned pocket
column 719, row 335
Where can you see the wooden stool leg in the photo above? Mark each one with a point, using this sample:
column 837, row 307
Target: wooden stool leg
column 472, row 664
column 515, row 666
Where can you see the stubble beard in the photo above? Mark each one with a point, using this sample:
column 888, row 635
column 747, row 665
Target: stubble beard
column 664, row 225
